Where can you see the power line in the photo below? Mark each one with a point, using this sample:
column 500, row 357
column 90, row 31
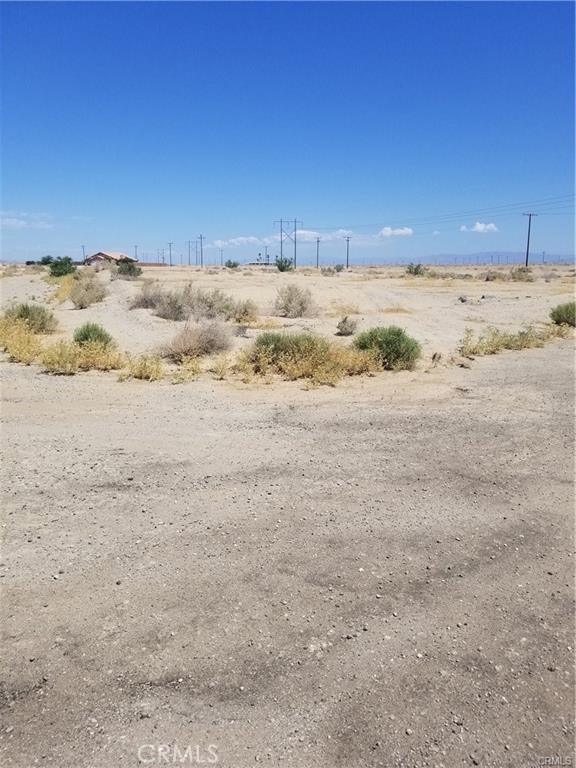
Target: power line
column 528, row 238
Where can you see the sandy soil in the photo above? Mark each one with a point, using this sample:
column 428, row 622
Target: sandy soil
column 379, row 574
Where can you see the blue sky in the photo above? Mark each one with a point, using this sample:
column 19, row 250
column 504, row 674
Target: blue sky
column 408, row 126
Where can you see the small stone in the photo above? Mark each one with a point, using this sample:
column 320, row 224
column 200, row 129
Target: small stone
column 409, row 731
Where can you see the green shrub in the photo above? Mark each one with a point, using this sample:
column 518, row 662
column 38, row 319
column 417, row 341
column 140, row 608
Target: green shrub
column 128, row 270
column 339, row 267
column 38, row 318
column 231, row 264
column 393, row 347
column 46, row 260
column 415, row 269
column 564, row 314
column 92, row 332
column 284, row 264
column 292, row 301
column 62, row 266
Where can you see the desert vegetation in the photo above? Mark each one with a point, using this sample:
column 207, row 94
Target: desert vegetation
column 564, row 314
column 196, row 339
column 192, row 302
column 392, row 346
column 38, row 318
column 495, row 340
column 293, row 301
column 347, row 326
column 61, row 266
column 86, row 290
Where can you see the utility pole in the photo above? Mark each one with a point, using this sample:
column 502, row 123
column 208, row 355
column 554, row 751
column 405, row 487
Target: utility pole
column 347, row 252
column 317, row 253
column 136, row 252
column 281, row 240
column 84, row 253
column 189, row 244
column 266, row 255
column 294, row 243
column 196, row 250
column 221, row 257
column 528, row 239
column 170, row 253
column 201, row 238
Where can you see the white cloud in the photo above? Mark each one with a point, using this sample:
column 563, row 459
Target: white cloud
column 396, row 232
column 436, row 232
column 23, row 220
column 479, row 227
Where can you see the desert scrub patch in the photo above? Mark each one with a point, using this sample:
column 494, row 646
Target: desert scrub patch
column 303, row 356
column 39, row 318
column 189, row 369
column 245, row 312
column 564, row 314
column 494, row 340
column 417, row 270
column 63, row 286
column 87, row 291
column 18, row 341
column 392, row 346
column 61, row 358
column 347, row 326
column 61, row 266
column 92, row 332
column 149, row 297
column 197, row 339
column 145, row 367
column 127, row 270
column 293, row 301
column 522, row 274
column 99, row 356
column 220, row 367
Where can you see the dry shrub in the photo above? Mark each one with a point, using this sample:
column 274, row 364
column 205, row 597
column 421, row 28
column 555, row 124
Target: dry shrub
column 493, row 340
column 39, row 319
column 347, row 326
column 172, row 307
column 99, row 356
column 10, row 271
column 293, row 301
column 62, row 358
column 87, row 291
column 18, row 341
column 188, row 370
column 197, row 339
column 304, row 356
column 245, row 311
column 522, row 274
column 149, row 297
column 64, row 285
column 395, row 309
column 145, row 367
column 220, row 367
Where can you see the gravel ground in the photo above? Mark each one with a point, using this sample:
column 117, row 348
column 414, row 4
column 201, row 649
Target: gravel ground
column 366, row 577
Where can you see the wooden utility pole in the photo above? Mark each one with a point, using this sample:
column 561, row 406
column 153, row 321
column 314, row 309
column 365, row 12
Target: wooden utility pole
column 528, row 238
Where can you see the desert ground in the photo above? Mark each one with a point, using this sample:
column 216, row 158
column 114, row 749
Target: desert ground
column 379, row 573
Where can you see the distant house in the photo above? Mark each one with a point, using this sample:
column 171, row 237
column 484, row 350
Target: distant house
column 108, row 256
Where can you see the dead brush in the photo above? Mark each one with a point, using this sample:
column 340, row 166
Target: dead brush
column 220, row 367
column 494, row 340
column 61, row 358
column 144, row 367
column 18, row 341
column 245, row 312
column 87, row 291
column 189, row 369
column 63, row 286
column 293, row 301
column 97, row 356
column 197, row 339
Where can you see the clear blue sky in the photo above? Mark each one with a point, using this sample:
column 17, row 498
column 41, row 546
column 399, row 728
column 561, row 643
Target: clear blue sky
column 143, row 123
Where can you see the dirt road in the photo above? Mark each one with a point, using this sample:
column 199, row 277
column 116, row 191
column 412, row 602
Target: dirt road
column 378, row 577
